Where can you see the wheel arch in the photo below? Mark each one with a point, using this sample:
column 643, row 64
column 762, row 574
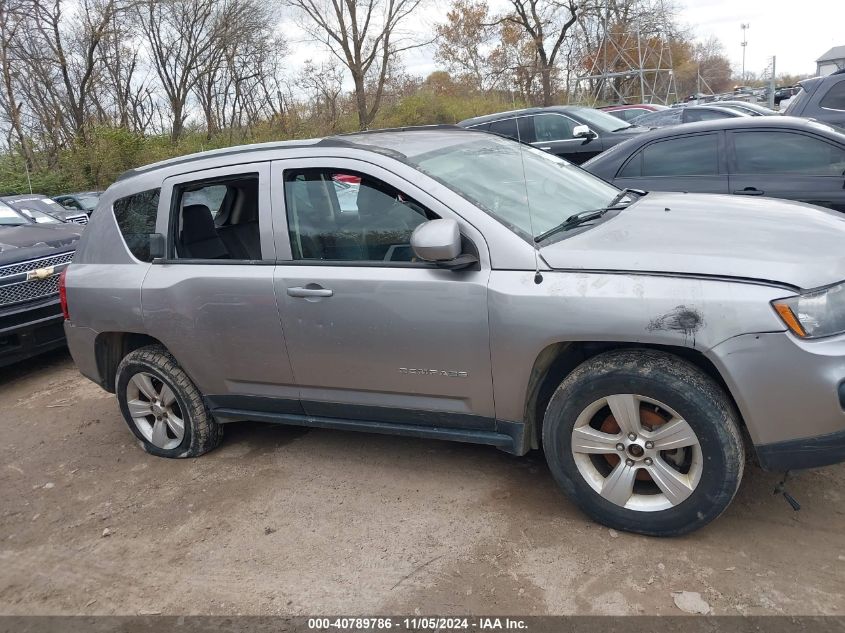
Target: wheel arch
column 112, row 347
column 557, row 360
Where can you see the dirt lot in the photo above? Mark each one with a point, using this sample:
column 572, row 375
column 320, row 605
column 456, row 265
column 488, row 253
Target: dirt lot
column 290, row 521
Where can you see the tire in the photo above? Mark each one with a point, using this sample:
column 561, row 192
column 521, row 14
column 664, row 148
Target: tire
column 593, row 459
column 150, row 375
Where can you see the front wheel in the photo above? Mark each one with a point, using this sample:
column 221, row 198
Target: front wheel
column 645, row 442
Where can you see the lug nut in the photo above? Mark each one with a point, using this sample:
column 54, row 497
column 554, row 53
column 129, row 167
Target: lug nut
column 620, row 447
column 649, row 444
column 632, row 436
column 630, row 462
column 648, row 461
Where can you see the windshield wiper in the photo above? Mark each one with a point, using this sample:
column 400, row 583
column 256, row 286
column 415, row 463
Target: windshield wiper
column 588, row 216
column 625, row 127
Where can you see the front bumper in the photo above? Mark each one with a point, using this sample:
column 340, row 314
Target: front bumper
column 790, row 394
column 30, row 329
column 809, row 452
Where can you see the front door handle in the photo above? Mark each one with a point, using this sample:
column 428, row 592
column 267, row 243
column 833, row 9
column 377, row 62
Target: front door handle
column 749, row 191
column 546, row 148
column 311, row 290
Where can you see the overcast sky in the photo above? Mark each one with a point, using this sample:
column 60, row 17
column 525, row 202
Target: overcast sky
column 797, row 32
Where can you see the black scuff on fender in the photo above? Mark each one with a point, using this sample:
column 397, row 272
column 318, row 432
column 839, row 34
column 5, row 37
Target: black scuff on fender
column 681, row 319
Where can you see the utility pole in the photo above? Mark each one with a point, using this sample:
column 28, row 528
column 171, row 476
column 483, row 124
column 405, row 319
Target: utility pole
column 744, row 44
column 772, row 85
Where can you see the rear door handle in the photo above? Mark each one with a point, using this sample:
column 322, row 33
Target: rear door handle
column 749, row 191
column 547, row 148
column 312, row 290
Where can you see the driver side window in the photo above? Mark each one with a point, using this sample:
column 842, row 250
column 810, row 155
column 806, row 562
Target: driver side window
column 346, row 216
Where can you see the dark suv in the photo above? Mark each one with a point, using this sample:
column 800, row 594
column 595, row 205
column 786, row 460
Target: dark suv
column 32, row 255
column 821, row 98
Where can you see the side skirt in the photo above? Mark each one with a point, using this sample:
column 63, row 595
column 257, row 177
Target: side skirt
column 509, row 436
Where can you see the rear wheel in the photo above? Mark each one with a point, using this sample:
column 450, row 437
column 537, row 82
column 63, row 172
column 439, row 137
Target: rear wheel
column 162, row 406
column 645, row 442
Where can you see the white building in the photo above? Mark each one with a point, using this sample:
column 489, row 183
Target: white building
column 831, row 61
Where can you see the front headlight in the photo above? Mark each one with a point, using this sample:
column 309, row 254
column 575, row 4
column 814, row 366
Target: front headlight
column 814, row 314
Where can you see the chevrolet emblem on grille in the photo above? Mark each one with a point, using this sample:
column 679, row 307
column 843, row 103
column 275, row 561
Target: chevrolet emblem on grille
column 40, row 273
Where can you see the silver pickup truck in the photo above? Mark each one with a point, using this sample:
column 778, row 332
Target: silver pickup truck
column 452, row 284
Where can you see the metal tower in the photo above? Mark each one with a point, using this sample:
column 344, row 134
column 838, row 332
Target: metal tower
column 631, row 64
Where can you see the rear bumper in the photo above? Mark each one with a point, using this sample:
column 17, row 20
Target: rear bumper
column 791, row 396
column 30, row 329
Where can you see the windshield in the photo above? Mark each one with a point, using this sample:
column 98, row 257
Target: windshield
column 10, row 217
column 88, row 202
column 488, row 171
column 39, row 216
column 598, row 120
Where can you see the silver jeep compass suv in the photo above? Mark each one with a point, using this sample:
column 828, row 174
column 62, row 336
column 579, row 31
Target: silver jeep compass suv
column 452, row 284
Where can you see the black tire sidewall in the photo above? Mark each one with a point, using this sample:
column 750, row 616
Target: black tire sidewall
column 125, row 372
column 721, row 447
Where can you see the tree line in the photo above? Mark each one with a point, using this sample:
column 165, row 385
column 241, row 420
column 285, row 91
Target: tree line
column 91, row 87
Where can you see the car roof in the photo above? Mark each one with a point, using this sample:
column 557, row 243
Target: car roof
column 521, row 112
column 711, row 106
column 744, row 122
column 398, row 142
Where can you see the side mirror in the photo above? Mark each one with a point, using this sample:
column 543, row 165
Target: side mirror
column 583, row 131
column 439, row 241
column 158, row 246
column 436, row 240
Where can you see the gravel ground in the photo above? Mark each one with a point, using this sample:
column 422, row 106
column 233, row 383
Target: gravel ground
column 281, row 520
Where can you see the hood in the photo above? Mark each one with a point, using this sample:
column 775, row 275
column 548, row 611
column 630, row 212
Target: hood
column 29, row 241
column 702, row 234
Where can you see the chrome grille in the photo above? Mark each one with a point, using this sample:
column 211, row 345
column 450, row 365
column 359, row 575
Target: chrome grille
column 34, row 264
column 29, row 290
column 78, row 219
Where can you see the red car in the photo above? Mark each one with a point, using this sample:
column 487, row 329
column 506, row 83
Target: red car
column 630, row 112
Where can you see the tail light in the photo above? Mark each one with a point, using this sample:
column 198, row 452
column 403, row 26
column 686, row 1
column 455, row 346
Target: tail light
column 63, row 294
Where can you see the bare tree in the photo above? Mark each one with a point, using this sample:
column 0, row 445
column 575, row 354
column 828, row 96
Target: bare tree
column 469, row 45
column 73, row 48
column 365, row 36
column 547, row 23
column 12, row 14
column 181, row 36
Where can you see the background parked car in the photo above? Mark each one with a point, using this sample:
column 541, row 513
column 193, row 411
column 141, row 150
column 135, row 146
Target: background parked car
column 83, row 201
column 32, row 254
column 29, row 204
column 688, row 114
column 572, row 132
column 752, row 109
column 630, row 112
column 785, row 92
column 779, row 157
column 821, row 98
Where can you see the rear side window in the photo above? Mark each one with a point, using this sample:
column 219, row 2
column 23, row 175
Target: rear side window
column 136, row 219
column 686, row 156
column 786, row 153
column 705, row 115
column 835, row 97
column 505, row 127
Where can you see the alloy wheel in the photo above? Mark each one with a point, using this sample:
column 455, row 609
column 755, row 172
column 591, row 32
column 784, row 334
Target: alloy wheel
column 155, row 410
column 637, row 452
